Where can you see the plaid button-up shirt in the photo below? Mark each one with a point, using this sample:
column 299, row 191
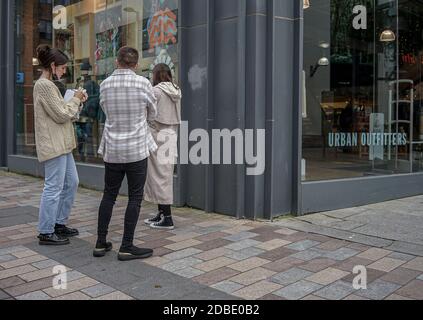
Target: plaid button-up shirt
column 128, row 101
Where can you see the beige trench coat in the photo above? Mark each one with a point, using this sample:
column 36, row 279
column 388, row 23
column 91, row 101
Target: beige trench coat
column 161, row 164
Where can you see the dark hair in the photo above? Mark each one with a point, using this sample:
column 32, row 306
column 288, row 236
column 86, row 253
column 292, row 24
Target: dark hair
column 162, row 73
column 128, row 57
column 46, row 56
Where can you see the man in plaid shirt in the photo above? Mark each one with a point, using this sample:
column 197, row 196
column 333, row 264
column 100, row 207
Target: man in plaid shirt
column 128, row 101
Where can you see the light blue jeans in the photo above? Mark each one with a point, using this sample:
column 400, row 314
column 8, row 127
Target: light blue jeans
column 60, row 187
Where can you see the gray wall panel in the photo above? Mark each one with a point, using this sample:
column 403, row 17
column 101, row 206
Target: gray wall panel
column 332, row 195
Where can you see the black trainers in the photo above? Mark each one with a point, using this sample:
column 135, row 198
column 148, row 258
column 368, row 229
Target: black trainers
column 63, row 231
column 166, row 223
column 52, row 239
column 134, row 253
column 101, row 249
column 156, row 219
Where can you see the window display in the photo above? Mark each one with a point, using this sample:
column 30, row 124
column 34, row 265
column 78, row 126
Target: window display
column 90, row 32
column 363, row 65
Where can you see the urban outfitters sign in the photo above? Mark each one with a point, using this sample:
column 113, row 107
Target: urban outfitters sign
column 355, row 139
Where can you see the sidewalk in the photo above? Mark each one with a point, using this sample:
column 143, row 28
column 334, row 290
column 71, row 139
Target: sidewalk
column 210, row 257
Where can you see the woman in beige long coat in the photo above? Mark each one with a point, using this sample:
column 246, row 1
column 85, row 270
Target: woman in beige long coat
column 159, row 185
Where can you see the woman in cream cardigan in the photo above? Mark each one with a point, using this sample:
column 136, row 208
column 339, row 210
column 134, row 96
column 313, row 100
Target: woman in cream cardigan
column 159, row 185
column 55, row 141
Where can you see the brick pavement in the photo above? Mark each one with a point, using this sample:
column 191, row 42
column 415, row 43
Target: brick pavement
column 206, row 257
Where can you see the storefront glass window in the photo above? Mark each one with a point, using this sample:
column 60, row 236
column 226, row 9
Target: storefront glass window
column 90, row 32
column 363, row 89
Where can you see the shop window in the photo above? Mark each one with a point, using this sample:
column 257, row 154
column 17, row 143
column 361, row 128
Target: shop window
column 363, row 89
column 94, row 31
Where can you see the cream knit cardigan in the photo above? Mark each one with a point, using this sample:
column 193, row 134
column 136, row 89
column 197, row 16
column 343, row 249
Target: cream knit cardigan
column 54, row 130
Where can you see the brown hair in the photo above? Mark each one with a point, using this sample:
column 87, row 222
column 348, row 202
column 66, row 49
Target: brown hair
column 46, row 56
column 162, row 73
column 128, row 57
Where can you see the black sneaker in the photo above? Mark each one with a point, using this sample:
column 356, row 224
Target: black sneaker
column 166, row 223
column 134, row 253
column 101, row 249
column 156, row 219
column 63, row 231
column 52, row 239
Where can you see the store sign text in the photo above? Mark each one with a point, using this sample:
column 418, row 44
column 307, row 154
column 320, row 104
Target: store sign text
column 337, row 140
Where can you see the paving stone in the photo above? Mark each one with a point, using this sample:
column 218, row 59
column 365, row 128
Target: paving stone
column 36, row 295
column 214, row 244
column 396, row 297
column 27, row 287
column 98, row 290
column 386, row 264
column 415, row 264
column 341, row 254
column 74, row 275
column 336, row 291
column 401, row 256
column 298, row 290
column 215, row 264
column 45, row 264
column 313, row 298
column 215, row 276
column 378, row 290
column 257, row 290
column 11, row 282
column 6, row 258
column 237, row 229
column 12, row 250
column 252, row 276
column 374, row 254
column 318, row 264
column 78, row 296
column 23, row 261
column 213, row 254
column 24, row 254
column 243, row 244
column 290, row 276
column 115, row 296
column 182, row 254
column 18, row 271
column 273, row 244
column 413, row 290
column 354, row 297
column 188, row 272
column 372, row 275
column 248, row 264
column 212, row 236
column 283, row 264
column 277, row 254
column 240, row 236
column 351, row 263
column 327, row 276
column 306, row 255
column 181, row 264
column 286, row 231
column 400, row 276
column 72, row 286
column 35, row 274
column 244, row 253
column 4, row 295
column 227, row 286
column 303, row 245
column 156, row 261
column 332, row 245
column 183, row 237
column 183, row 244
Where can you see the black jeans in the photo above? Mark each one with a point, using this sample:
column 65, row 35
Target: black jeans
column 136, row 174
